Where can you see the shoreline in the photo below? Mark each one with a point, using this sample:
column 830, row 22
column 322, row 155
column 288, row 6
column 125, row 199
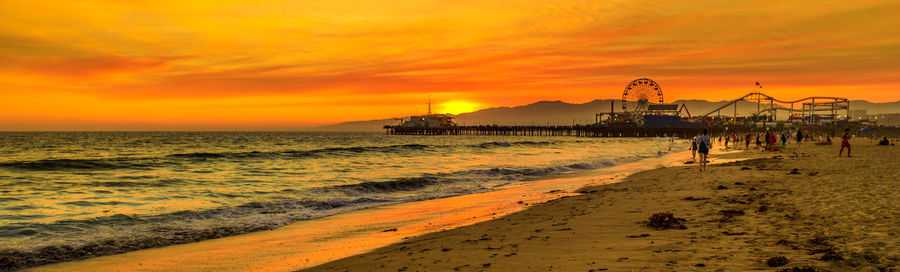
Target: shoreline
column 799, row 208
column 291, row 242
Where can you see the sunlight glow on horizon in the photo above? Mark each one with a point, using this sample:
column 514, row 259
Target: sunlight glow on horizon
column 100, row 64
column 458, row 106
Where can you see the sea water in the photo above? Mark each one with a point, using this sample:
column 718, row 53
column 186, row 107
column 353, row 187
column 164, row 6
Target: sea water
column 109, row 192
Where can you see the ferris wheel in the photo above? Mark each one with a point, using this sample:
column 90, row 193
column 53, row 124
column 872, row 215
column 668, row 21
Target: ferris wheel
column 639, row 94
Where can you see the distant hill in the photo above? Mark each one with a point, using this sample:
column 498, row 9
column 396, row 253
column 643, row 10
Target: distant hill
column 875, row 108
column 371, row 125
column 562, row 113
column 540, row 113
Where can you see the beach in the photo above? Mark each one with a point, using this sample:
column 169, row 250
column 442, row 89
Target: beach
column 801, row 208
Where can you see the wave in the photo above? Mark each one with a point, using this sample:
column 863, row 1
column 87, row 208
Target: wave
column 509, row 144
column 145, row 163
column 540, row 171
column 475, row 175
column 303, row 153
column 334, row 151
column 281, row 206
column 402, row 184
column 78, row 164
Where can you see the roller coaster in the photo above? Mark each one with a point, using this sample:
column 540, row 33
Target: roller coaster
column 812, row 109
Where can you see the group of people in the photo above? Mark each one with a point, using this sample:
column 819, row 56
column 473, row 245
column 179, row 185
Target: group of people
column 701, row 144
column 768, row 140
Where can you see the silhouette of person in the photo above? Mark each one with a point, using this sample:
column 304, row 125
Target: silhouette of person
column 845, row 142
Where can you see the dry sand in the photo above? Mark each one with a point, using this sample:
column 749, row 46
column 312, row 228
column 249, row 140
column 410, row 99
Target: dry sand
column 832, row 214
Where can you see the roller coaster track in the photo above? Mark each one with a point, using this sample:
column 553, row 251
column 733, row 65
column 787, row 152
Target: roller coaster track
column 761, row 96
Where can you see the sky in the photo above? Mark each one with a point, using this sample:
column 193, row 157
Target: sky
column 284, row 65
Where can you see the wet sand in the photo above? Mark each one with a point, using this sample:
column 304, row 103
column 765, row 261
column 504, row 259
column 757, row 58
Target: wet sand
column 317, row 241
column 801, row 207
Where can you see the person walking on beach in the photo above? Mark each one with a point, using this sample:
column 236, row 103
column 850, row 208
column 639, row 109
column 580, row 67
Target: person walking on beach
column 747, row 141
column 703, row 146
column 694, row 148
column 758, row 141
column 783, row 139
column 799, row 136
column 772, row 140
column 845, row 142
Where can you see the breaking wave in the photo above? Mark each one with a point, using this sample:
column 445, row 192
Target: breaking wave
column 78, row 164
column 143, row 163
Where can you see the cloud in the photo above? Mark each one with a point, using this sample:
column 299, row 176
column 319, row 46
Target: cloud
column 80, row 68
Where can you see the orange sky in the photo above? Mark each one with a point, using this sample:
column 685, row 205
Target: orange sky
column 162, row 65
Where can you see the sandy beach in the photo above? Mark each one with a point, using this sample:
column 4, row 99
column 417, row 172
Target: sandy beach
column 799, row 209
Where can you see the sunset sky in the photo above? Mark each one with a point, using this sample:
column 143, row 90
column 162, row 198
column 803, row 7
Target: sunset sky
column 163, row 65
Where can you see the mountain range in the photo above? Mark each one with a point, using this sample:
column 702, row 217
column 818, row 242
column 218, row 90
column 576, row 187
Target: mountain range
column 562, row 113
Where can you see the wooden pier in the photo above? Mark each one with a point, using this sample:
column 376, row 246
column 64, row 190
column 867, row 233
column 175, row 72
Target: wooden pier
column 576, row 131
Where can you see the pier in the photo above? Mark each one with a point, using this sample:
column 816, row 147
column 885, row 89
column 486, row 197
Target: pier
column 648, row 116
column 575, row 130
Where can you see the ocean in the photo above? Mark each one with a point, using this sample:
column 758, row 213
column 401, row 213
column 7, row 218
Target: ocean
column 68, row 195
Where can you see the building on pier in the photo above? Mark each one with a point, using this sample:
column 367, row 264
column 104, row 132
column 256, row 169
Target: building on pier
column 427, row 121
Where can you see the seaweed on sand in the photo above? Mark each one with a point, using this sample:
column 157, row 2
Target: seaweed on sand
column 799, row 269
column 777, row 261
column 728, row 215
column 831, row 256
column 666, row 220
column 783, row 242
column 819, row 245
column 731, row 213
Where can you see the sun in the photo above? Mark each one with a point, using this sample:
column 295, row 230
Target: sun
column 458, row 106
